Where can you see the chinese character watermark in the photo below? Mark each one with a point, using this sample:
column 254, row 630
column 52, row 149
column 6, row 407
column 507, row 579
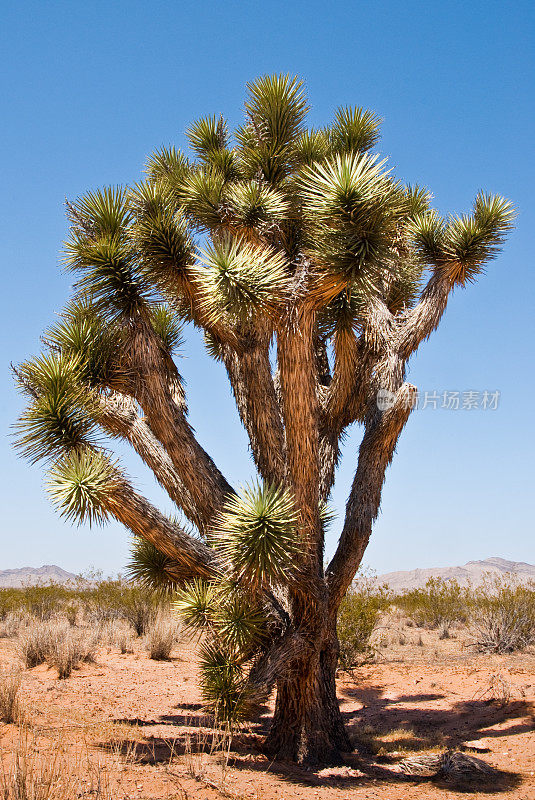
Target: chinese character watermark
column 450, row 400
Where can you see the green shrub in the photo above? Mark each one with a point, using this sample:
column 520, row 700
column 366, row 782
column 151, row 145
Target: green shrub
column 502, row 619
column 357, row 619
column 438, row 604
column 112, row 599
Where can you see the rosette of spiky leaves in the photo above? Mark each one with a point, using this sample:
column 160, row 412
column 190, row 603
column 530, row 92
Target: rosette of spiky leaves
column 59, row 415
column 85, row 334
column 275, row 111
column 472, row 240
column 99, row 251
column 460, row 246
column 151, row 568
column 99, row 214
column 201, row 194
column 311, row 146
column 417, row 200
column 197, row 604
column 168, row 327
column 352, row 207
column 240, row 279
column 343, row 312
column 167, row 164
column 354, row 130
column 82, row 484
column 240, row 622
column 209, row 138
column 223, row 683
column 255, row 205
column 256, row 536
column 161, row 237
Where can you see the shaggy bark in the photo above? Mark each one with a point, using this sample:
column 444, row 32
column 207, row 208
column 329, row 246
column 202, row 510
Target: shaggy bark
column 118, row 416
column 249, row 372
column 205, row 483
column 192, row 557
column 296, row 358
column 382, row 432
column 307, row 725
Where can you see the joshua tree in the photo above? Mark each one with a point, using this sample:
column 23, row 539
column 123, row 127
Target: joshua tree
column 314, row 275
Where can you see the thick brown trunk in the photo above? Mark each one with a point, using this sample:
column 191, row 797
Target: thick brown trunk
column 307, row 725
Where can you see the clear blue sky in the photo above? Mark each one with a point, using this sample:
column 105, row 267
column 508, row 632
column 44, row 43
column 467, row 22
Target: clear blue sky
column 90, row 88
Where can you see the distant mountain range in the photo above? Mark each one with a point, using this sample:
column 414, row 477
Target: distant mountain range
column 32, row 575
column 473, row 572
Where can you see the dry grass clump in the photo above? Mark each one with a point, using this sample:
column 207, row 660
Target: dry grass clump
column 119, row 634
column 10, row 708
column 58, row 644
column 69, row 648
column 11, row 624
column 161, row 637
column 34, row 643
column 54, row 773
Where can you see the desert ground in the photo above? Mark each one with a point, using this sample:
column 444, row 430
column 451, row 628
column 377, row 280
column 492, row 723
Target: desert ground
column 128, row 727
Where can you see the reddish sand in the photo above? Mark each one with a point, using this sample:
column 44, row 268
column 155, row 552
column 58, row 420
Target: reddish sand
column 482, row 704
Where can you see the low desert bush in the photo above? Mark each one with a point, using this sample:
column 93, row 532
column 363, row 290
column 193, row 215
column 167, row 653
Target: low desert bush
column 68, row 648
column 58, row 644
column 161, row 637
column 503, row 615
column 34, row 643
column 438, row 604
column 357, row 619
column 10, row 710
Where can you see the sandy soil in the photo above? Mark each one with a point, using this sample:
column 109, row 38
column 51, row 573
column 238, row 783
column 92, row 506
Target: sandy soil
column 139, row 727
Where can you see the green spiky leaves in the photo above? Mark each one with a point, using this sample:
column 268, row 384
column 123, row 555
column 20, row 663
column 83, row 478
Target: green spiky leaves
column 241, row 279
column 275, row 111
column 355, row 130
column 223, row 683
column 352, row 206
column 276, row 108
column 82, row 484
column 460, row 246
column 254, row 205
column 256, row 536
column 196, row 604
column 161, row 238
column 151, row 568
column 58, row 418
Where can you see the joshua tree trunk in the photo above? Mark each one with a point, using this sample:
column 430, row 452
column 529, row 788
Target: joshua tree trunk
column 307, row 725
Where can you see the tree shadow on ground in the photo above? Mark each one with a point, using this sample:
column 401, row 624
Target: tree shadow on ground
column 373, row 728
column 465, row 721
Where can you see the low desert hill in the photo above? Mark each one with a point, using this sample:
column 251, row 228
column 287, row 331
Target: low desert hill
column 26, row 576
column 473, row 572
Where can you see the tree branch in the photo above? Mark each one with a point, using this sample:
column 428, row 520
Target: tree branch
column 192, row 557
column 119, row 418
column 420, row 322
column 205, row 484
column 383, row 429
column 252, row 384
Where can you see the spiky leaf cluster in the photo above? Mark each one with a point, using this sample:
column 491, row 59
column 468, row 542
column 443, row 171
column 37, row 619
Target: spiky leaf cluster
column 82, row 484
column 256, row 535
